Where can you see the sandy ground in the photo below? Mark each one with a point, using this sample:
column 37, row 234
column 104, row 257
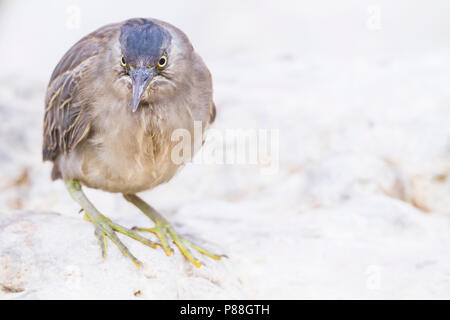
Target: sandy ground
column 358, row 207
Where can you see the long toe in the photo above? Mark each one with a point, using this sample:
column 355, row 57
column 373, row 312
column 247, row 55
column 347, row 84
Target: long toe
column 164, row 230
column 105, row 228
column 161, row 234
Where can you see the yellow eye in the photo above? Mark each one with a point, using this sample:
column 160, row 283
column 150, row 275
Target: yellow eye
column 123, row 62
column 162, row 61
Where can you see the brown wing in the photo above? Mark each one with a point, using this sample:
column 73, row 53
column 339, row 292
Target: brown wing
column 66, row 120
column 64, row 124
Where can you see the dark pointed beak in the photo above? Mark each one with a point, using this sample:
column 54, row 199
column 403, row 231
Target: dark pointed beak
column 140, row 78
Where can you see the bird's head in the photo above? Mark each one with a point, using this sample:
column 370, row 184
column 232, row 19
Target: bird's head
column 146, row 57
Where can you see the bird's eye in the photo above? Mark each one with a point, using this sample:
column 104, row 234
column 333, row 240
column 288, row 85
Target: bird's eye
column 123, row 62
column 162, row 62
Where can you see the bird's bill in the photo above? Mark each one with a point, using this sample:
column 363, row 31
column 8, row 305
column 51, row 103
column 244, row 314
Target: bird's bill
column 140, row 78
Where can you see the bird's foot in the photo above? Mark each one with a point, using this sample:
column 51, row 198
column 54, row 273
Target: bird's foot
column 106, row 228
column 163, row 230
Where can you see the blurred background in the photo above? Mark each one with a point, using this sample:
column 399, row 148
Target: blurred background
column 359, row 207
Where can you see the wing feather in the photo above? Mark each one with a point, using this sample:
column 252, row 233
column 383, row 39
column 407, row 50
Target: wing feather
column 212, row 112
column 65, row 123
column 66, row 119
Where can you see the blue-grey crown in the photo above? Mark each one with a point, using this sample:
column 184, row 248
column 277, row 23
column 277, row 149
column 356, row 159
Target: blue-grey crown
column 143, row 42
